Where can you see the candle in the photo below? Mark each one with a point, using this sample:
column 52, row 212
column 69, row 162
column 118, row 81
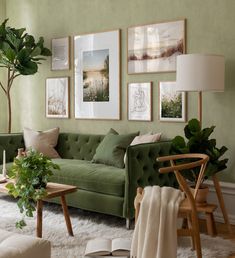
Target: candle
column 4, row 164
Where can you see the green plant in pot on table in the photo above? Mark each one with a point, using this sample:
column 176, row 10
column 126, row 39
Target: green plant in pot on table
column 30, row 174
column 199, row 142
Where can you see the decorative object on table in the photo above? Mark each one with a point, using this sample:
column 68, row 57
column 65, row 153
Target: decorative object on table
column 172, row 104
column 200, row 72
column 19, row 55
column 57, row 97
column 154, row 47
column 139, row 102
column 97, row 75
column 3, row 177
column 42, row 141
column 31, row 173
column 199, row 142
column 60, row 48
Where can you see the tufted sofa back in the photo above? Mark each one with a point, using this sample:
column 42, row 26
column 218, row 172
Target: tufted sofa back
column 78, row 146
column 11, row 143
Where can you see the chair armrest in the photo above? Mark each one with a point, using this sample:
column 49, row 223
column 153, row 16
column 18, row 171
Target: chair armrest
column 11, row 143
column 142, row 170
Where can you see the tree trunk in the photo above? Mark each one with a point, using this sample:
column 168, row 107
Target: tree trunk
column 9, row 111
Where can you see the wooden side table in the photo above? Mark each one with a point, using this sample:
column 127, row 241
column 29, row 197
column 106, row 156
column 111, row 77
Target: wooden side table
column 55, row 190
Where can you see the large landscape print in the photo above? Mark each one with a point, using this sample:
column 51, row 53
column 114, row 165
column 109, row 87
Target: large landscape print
column 96, row 75
column 154, row 47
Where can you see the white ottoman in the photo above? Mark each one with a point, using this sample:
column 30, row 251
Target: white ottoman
column 20, row 246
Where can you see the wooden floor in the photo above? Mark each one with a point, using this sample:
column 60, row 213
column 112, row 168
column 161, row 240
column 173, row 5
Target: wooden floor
column 222, row 232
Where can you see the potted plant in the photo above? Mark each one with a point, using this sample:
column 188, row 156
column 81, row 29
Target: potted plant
column 199, row 142
column 29, row 174
column 20, row 55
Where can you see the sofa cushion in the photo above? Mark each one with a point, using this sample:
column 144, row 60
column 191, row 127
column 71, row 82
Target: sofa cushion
column 90, row 176
column 112, row 149
column 43, row 142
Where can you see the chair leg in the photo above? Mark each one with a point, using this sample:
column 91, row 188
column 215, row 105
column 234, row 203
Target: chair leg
column 189, row 223
column 196, row 234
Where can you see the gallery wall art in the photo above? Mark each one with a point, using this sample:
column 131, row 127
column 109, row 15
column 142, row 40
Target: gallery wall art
column 139, row 101
column 172, row 104
column 97, row 75
column 57, row 97
column 154, row 47
column 60, row 59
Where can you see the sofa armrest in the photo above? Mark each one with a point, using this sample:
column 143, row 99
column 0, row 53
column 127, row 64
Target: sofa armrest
column 11, row 143
column 142, row 170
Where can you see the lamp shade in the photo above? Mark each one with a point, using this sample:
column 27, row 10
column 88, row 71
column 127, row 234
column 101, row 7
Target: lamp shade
column 200, row 72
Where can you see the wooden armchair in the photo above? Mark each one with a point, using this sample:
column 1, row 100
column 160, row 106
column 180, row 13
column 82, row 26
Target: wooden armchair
column 187, row 207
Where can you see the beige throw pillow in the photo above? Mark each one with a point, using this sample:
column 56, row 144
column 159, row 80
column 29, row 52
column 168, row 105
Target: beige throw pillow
column 146, row 138
column 43, row 142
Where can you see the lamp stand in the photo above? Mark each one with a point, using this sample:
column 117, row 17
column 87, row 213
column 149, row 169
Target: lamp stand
column 200, row 107
column 215, row 178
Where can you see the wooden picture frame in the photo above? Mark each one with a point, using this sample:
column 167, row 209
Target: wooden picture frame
column 153, row 48
column 60, row 59
column 139, row 101
column 172, row 104
column 97, row 75
column 57, row 97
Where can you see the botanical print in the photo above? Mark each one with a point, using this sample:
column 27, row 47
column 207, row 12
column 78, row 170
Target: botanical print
column 139, row 101
column 172, row 103
column 154, row 48
column 57, row 97
column 96, row 75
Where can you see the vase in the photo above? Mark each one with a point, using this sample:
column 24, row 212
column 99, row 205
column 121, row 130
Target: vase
column 202, row 193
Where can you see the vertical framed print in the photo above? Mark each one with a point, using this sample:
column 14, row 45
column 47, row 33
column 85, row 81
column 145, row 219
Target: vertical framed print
column 97, row 75
column 139, row 101
column 172, row 104
column 60, row 59
column 57, row 97
column 153, row 48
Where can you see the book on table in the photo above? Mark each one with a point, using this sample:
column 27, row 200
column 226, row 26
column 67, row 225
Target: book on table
column 107, row 247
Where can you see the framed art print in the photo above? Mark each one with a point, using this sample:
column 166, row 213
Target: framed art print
column 57, row 97
column 172, row 104
column 60, row 59
column 139, row 101
column 97, row 75
column 154, row 47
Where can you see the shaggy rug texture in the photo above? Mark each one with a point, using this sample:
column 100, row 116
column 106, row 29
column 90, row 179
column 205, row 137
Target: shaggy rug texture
column 87, row 225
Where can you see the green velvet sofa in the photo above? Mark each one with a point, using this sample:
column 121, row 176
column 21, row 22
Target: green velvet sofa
column 101, row 188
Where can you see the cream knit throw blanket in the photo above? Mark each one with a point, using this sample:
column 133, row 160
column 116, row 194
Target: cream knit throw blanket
column 155, row 234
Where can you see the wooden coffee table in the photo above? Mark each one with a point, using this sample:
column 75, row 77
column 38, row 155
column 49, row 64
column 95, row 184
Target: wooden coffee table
column 53, row 190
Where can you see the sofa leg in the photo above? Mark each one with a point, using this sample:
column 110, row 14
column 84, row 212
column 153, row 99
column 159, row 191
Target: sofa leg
column 128, row 224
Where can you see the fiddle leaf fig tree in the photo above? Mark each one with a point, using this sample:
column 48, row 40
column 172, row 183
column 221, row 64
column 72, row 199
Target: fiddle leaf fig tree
column 198, row 141
column 20, row 54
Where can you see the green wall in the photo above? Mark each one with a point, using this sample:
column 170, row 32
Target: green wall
column 210, row 29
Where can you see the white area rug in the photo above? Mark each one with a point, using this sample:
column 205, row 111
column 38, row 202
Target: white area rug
column 87, row 225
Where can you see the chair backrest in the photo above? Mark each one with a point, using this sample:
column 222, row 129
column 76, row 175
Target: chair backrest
column 201, row 161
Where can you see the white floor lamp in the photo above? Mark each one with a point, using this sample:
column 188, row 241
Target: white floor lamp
column 203, row 72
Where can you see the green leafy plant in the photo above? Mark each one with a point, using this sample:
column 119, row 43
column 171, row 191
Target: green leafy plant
column 20, row 54
column 30, row 174
column 199, row 142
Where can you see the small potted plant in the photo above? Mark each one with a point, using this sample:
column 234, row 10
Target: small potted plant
column 199, row 142
column 29, row 174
